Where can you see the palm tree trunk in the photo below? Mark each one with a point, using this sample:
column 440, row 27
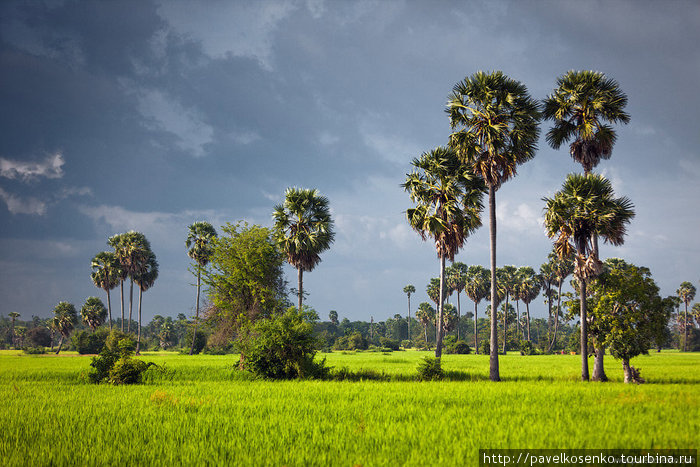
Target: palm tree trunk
column 109, row 309
column 425, row 331
column 438, row 335
column 459, row 315
column 131, row 302
column 527, row 312
column 556, row 318
column 505, row 325
column 138, row 334
column 476, row 334
column 196, row 313
column 409, row 317
column 517, row 317
column 549, row 317
column 60, row 344
column 584, row 332
column 493, row 359
column 685, row 328
column 121, row 289
column 301, row 287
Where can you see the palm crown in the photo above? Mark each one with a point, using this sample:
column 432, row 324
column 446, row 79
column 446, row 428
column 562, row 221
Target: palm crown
column 580, row 105
column 200, row 242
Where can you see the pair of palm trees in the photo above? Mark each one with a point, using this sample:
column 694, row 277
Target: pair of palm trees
column 131, row 259
column 686, row 293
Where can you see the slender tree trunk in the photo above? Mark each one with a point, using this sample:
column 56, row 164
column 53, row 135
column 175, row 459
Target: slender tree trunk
column 527, row 312
column 196, row 313
column 121, row 289
column 425, row 331
column 138, row 334
column 476, row 334
column 109, row 309
column 438, row 335
column 556, row 318
column 598, row 368
column 409, row 317
column 493, row 359
column 549, row 317
column 131, row 302
column 584, row 333
column 60, row 344
column 685, row 328
column 517, row 318
column 505, row 325
column 459, row 315
column 301, row 287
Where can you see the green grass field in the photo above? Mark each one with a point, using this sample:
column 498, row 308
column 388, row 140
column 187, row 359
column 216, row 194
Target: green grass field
column 205, row 412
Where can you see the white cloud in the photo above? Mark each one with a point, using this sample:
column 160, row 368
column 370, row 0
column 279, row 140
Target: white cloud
column 17, row 205
column 51, row 167
column 169, row 115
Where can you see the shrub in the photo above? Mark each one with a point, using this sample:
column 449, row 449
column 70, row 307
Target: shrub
column 485, row 347
column 128, row 370
column 389, row 343
column 406, row 344
column 430, row 369
column 526, row 348
column 121, row 342
column 86, row 342
column 281, row 347
column 458, row 347
column 114, row 363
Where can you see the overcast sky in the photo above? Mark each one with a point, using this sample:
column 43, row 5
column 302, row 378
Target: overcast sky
column 151, row 115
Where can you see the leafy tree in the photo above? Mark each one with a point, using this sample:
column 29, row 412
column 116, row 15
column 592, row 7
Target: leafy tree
column 477, row 287
column 245, row 279
column 145, row 278
column 584, row 207
column 448, row 197
column 65, row 319
column 497, row 129
column 106, row 275
column 93, row 313
column 686, row 293
column 580, row 105
column 408, row 290
column 528, row 289
column 200, row 247
column 303, row 230
column 39, row 336
column 425, row 315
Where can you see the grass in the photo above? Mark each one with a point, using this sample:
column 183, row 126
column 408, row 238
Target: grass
column 205, row 412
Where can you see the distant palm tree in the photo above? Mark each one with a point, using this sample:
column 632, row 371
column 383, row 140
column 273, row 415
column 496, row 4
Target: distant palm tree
column 304, row 230
column 457, row 280
column 686, row 292
column 145, row 278
column 507, row 281
column 477, row 287
column 333, row 316
column 562, row 268
column 547, row 279
column 448, row 208
column 498, row 130
column 200, row 243
column 696, row 312
column 408, row 290
column 93, row 312
column 449, row 318
column 528, row 290
column 580, row 105
column 106, row 275
column 425, row 315
column 65, row 318
column 583, row 207
column 132, row 250
column 14, row 315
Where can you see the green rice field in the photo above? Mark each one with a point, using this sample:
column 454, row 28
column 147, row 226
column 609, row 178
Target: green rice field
column 202, row 411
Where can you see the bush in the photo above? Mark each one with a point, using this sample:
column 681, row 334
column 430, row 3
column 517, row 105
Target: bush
column 281, row 347
column 354, row 341
column 121, row 342
column 86, row 342
column 430, row 369
column 526, row 348
column 39, row 337
column 406, row 344
column 485, row 347
column 389, row 343
column 128, row 370
column 458, row 347
column 200, row 341
column 114, row 363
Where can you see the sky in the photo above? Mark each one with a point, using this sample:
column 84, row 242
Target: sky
column 150, row 115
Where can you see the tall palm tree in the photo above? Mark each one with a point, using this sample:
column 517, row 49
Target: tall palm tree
column 408, row 290
column 528, row 290
column 695, row 312
column 547, row 279
column 132, row 250
column 425, row 315
column 507, row 282
column 304, row 230
column 686, row 292
column 14, row 315
column 584, row 207
column 145, row 278
column 448, row 208
column 563, row 268
column 65, row 318
column 200, row 247
column 93, row 312
column 498, row 130
column 580, row 107
column 106, row 274
column 433, row 290
column 477, row 287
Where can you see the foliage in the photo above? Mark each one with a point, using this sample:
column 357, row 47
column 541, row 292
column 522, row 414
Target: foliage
column 353, row 341
column 430, row 369
column 38, row 350
column 90, row 342
column 458, row 347
column 39, row 336
column 115, row 365
column 389, row 343
column 93, row 312
column 281, row 347
column 128, row 370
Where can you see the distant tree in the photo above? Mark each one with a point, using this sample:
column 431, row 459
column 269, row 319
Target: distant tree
column 333, row 316
column 477, row 288
column 132, row 251
column 456, row 281
column 106, row 275
column 14, row 315
column 65, row 319
column 547, row 280
column 686, row 292
column 39, row 336
column 449, row 318
column 448, row 197
column 408, row 290
column 498, row 127
column 425, row 315
column 562, row 268
column 145, row 278
column 528, row 289
column 507, row 281
column 696, row 312
column 200, row 247
column 93, row 312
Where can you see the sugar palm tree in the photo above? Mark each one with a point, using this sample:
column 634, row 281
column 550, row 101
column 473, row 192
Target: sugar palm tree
column 145, row 278
column 457, row 279
column 131, row 250
column 65, row 318
column 497, row 129
column 562, row 268
column 547, row 280
column 477, row 287
column 528, row 289
column 425, row 315
column 507, row 282
column 13, row 316
column 408, row 290
column 695, row 311
column 584, row 207
column 686, row 292
column 448, row 208
column 304, row 230
column 93, row 312
column 582, row 108
column 200, row 247
column 106, row 275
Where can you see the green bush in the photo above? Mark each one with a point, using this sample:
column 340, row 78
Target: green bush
column 389, row 343
column 354, row 341
column 128, row 370
column 114, row 363
column 430, row 369
column 526, row 348
column 281, row 347
column 485, row 347
column 39, row 337
column 121, row 342
column 458, row 347
column 86, row 342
